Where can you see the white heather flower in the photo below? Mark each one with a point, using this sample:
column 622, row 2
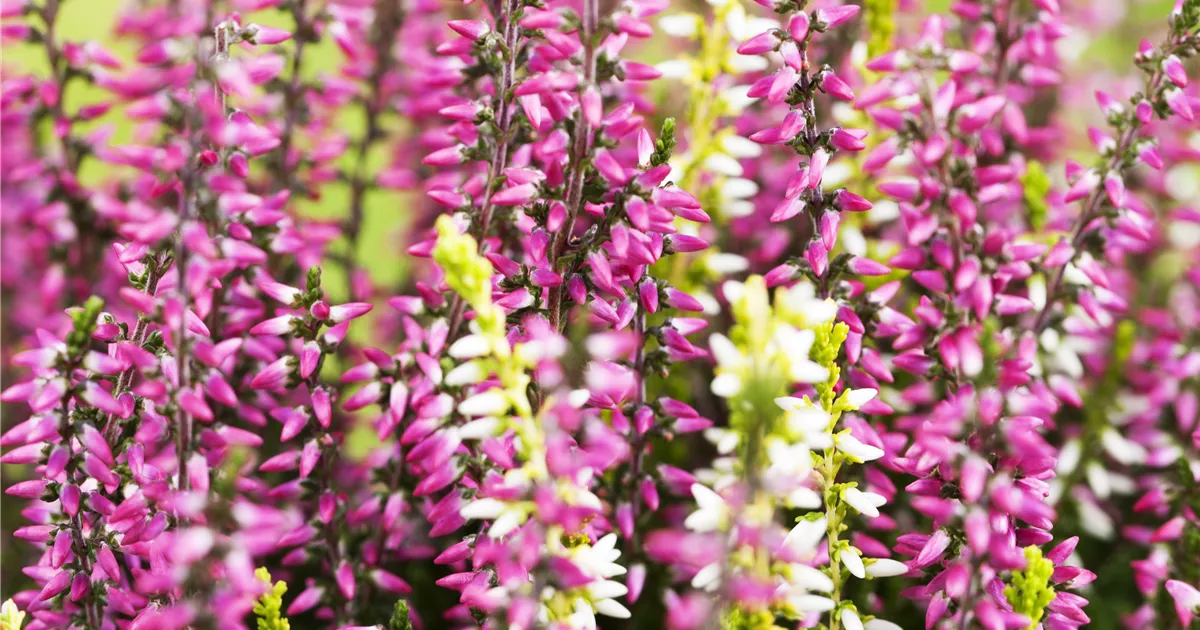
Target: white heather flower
column 470, row 347
column 796, row 344
column 740, row 147
column 600, row 559
column 1097, row 478
column 853, row 240
column 725, row 264
column 804, row 498
column 807, row 603
column 805, row 536
column 578, row 398
column 867, row 503
column 713, row 512
column 723, row 164
column 489, row 403
column 850, row 619
column 850, row 445
column 724, row 439
column 465, row 374
column 810, row 578
column 788, row 461
column 802, row 299
column 483, row 509
column 853, row 562
column 612, row 608
column 859, row 397
column 680, row 25
column 886, row 567
column 837, row 173
column 708, row 578
column 479, row 429
column 881, row 624
column 736, row 98
column 583, row 617
column 735, row 194
column 607, row 589
column 675, row 68
column 1123, row 450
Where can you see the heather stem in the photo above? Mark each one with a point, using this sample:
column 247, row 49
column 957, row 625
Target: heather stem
column 294, row 93
column 1090, row 208
column 503, row 123
column 582, row 142
column 153, row 274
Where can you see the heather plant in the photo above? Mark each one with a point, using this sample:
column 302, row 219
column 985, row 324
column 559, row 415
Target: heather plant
column 728, row 315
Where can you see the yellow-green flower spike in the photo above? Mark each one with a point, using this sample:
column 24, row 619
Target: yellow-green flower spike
column 269, row 608
column 1030, row 591
column 467, row 273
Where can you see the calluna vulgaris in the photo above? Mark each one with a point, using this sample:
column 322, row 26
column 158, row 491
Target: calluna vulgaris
column 714, row 316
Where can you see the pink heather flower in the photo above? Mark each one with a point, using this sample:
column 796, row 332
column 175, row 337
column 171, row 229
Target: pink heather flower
column 536, row 401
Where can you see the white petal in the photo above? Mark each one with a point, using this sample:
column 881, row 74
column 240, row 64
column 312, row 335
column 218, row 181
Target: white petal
column 708, row 578
column 578, row 398
column 886, row 567
column 469, row 347
column 466, row 374
column 810, row 578
column 724, row 351
column 723, row 264
column 850, row 620
column 723, row 164
column 489, row 403
column 745, row 64
column 804, row 371
column 811, row 603
column 850, row 445
column 804, row 498
column 706, row 498
column 1122, row 449
column 859, row 397
column 1097, row 478
column 607, row 589
column 583, row 617
column 727, row 385
column 805, row 535
column 740, row 147
column 679, row 25
column 507, row 522
column 861, row 502
column 675, row 68
column 483, row 509
column 853, row 562
column 881, row 624
column 610, row 608
column 1068, row 458
column 479, row 429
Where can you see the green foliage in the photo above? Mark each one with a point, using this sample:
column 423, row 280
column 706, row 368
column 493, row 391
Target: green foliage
column 269, row 607
column 737, row 618
column 1036, row 184
column 665, row 145
column 10, row 617
column 1030, row 591
column 84, row 324
column 400, row 618
column 879, row 16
